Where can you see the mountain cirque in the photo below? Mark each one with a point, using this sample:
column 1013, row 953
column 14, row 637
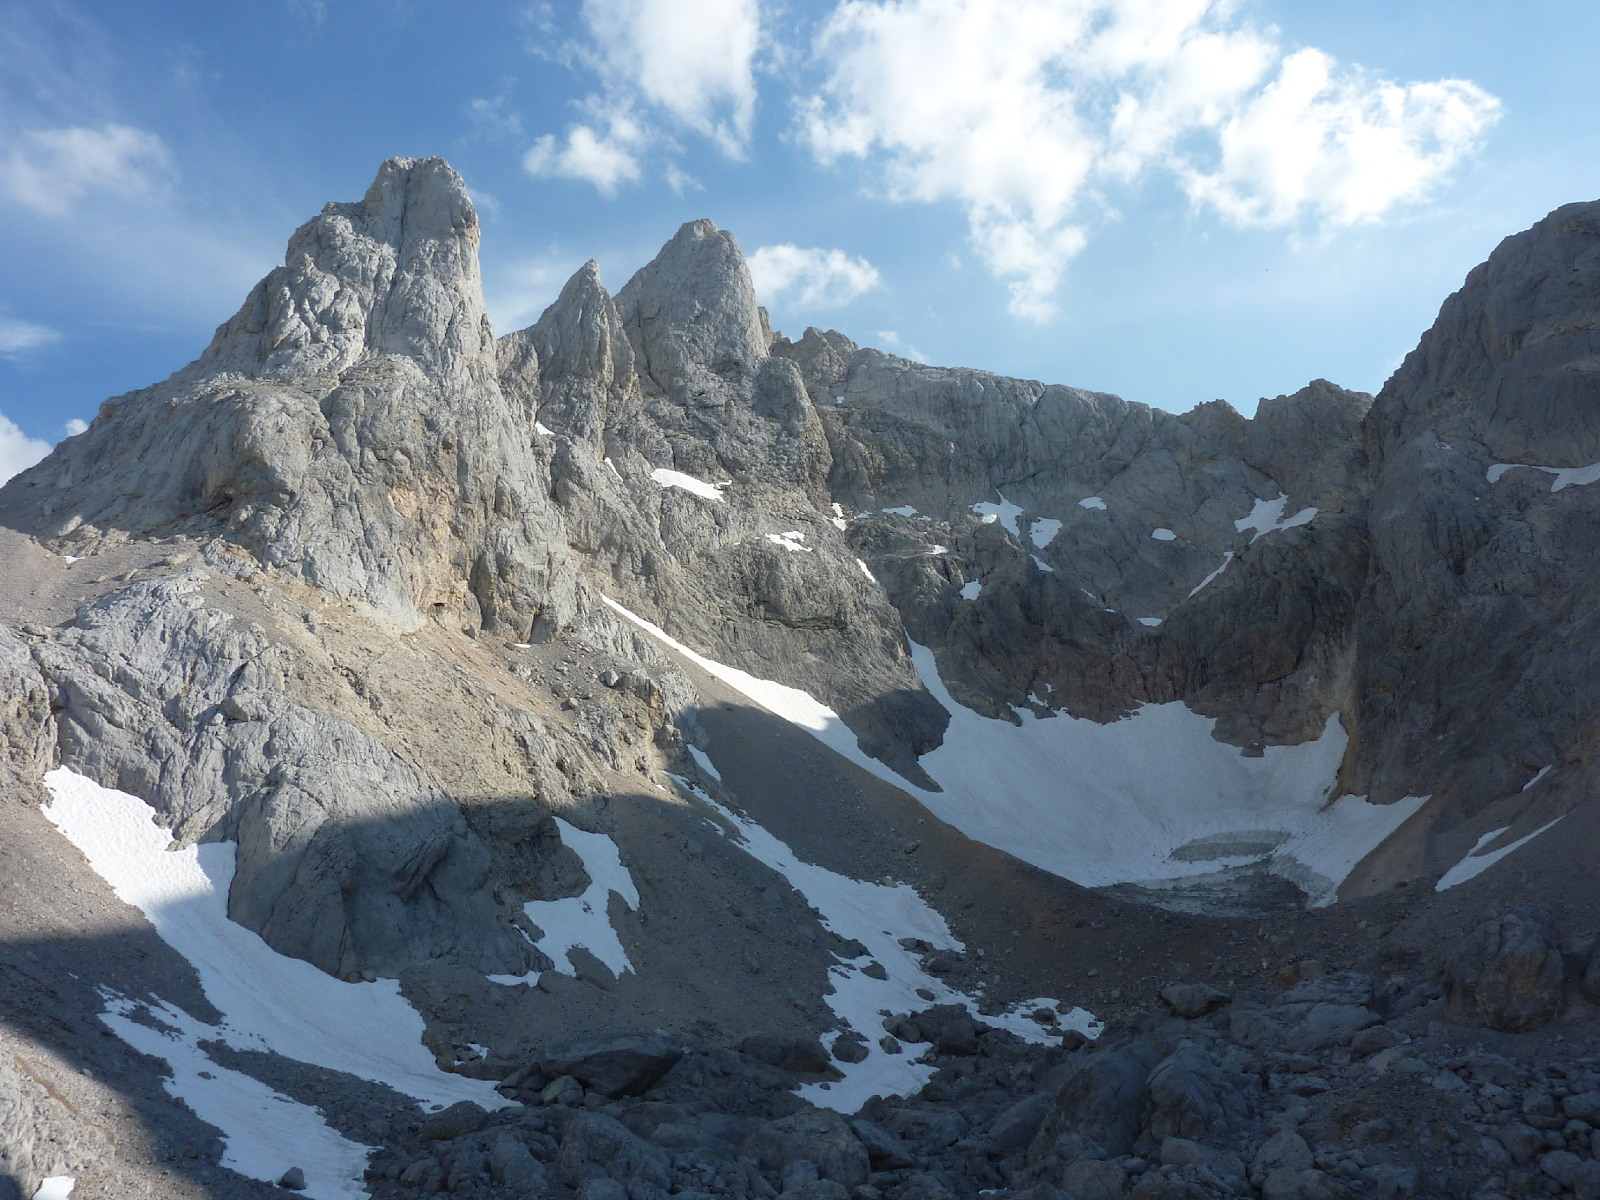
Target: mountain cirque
column 367, row 600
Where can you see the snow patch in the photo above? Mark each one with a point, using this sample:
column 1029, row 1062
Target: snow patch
column 1227, row 558
column 877, row 915
column 1543, row 771
column 57, row 1187
column 790, row 541
column 612, row 465
column 1041, row 564
column 583, row 922
column 703, row 761
column 1092, row 502
column 677, row 479
column 1565, row 477
column 905, row 510
column 1475, row 864
column 971, row 590
column 1266, row 516
column 1005, row 512
column 1163, row 535
column 542, row 430
column 269, row 1001
column 867, row 571
column 1043, row 531
column 1150, row 621
column 838, row 517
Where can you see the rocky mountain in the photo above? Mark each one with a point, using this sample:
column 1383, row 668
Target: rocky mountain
column 626, row 675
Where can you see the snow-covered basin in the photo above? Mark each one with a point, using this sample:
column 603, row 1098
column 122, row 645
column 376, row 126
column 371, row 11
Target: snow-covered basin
column 269, row 1002
column 1147, row 799
column 878, row 915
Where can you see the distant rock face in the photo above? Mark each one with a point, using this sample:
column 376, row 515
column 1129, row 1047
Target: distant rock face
column 799, row 510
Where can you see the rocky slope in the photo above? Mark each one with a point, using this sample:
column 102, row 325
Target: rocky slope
column 350, row 593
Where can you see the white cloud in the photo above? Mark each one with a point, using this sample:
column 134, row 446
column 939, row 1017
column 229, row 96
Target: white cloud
column 812, row 278
column 17, row 337
column 895, row 345
column 18, row 452
column 1023, row 111
column 692, row 58
column 76, row 426
column 680, row 181
column 604, row 158
column 672, row 64
column 49, row 170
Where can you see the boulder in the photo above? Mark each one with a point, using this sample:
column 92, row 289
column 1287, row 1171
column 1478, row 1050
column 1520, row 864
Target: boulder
column 1104, row 1101
column 513, row 1165
column 1288, row 1184
column 820, row 1135
column 1019, row 1124
column 1507, row 973
column 460, row 1119
column 1284, row 1150
column 594, row 1144
column 802, row 1055
column 616, row 1067
column 1092, row 1179
column 1193, row 1000
column 885, row 1151
column 1189, row 1097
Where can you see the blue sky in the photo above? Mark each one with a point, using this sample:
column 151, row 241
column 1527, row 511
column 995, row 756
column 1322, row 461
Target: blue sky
column 1173, row 200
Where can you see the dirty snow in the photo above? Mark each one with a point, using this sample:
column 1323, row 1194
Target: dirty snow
column 867, row 571
column 582, row 922
column 1043, row 531
column 1163, row 535
column 877, row 915
column 1005, row 512
column 1115, row 803
column 677, row 479
column 1227, row 558
column 269, row 1002
column 790, row 541
column 264, row 1133
column 1266, row 516
column 1041, row 564
column 905, row 510
column 1092, row 502
column 1475, row 864
column 1565, row 477
column 971, row 590
column 703, row 761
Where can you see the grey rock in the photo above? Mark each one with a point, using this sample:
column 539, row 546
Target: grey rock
column 885, row 1150
column 513, row 1165
column 1289, row 1184
column 601, row 1187
column 1367, row 1042
column 804, row 1055
column 817, row 1135
column 1104, row 1101
column 936, row 1129
column 1585, row 1107
column 1284, row 1150
column 615, row 1066
column 562, row 1090
column 1226, row 1169
column 294, row 1179
column 594, row 1144
column 1193, row 1000
column 1508, row 972
column 1089, row 1179
column 1189, row 1097
column 1019, row 1124
column 461, row 1118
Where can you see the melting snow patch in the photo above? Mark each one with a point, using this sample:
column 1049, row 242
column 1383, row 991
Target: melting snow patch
column 905, row 510
column 703, row 761
column 1266, row 516
column 1475, row 864
column 583, row 921
column 57, row 1187
column 269, row 1002
column 838, row 518
column 877, row 915
column 1227, row 557
column 612, row 465
column 1150, row 621
column 70, row 559
column 1041, row 564
column 971, row 590
column 1543, row 771
column 1005, row 512
column 790, row 541
column 1163, row 535
column 1565, row 477
column 1092, row 502
column 677, row 479
column 540, row 429
column 867, row 571
column 1043, row 531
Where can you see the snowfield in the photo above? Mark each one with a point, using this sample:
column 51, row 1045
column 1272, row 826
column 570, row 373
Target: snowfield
column 1134, row 801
